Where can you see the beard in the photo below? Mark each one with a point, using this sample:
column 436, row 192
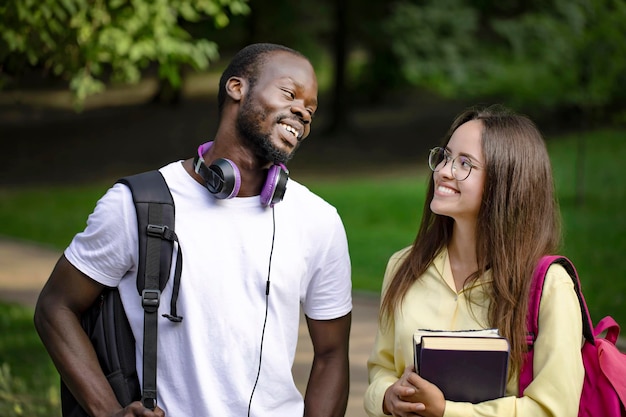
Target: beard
column 249, row 118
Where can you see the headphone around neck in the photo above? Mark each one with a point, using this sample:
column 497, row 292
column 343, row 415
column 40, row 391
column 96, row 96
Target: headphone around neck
column 223, row 179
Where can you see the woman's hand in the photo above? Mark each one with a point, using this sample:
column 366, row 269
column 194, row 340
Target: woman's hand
column 412, row 395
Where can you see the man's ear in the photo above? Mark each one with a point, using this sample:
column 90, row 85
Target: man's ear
column 236, row 88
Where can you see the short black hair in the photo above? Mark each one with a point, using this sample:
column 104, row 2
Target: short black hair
column 246, row 63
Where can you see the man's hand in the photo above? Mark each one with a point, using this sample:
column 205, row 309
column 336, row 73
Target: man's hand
column 136, row 409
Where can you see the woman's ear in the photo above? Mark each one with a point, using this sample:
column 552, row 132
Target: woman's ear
column 236, row 88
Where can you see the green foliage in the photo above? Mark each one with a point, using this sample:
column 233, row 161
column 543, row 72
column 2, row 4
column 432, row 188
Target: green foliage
column 573, row 54
column 17, row 398
column 89, row 42
column 437, row 48
column 554, row 54
column 29, row 384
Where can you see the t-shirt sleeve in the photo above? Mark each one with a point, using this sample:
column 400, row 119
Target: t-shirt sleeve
column 329, row 293
column 107, row 248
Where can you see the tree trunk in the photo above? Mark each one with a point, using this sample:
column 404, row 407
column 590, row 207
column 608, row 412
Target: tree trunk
column 339, row 113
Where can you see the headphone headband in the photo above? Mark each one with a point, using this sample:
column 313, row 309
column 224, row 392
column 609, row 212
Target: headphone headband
column 223, row 179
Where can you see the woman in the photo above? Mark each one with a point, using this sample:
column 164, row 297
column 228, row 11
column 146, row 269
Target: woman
column 490, row 215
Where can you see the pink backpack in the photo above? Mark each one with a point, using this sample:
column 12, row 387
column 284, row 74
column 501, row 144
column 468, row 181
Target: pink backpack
column 604, row 388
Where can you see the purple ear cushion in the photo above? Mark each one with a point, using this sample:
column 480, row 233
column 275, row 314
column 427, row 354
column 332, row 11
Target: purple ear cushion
column 275, row 185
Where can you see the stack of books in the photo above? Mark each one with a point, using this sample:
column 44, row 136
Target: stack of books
column 467, row 366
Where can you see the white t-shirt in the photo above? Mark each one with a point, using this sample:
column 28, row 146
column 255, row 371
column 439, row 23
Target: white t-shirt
column 207, row 364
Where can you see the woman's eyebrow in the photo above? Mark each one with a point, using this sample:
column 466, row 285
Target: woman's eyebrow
column 471, row 157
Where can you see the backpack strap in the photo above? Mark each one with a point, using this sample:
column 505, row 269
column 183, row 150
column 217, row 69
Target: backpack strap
column 532, row 317
column 157, row 243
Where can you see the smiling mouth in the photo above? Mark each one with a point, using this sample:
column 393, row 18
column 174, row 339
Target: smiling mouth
column 446, row 190
column 290, row 129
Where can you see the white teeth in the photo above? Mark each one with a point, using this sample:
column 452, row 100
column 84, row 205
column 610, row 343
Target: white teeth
column 290, row 129
column 445, row 190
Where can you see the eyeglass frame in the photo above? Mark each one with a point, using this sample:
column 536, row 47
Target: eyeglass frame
column 448, row 157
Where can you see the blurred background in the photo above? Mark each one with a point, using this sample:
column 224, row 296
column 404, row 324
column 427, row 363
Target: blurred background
column 96, row 89
column 92, row 90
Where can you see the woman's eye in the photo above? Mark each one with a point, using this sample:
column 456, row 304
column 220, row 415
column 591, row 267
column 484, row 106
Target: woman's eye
column 465, row 162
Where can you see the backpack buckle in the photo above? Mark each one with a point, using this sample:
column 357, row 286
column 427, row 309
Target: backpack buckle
column 156, row 230
column 150, row 300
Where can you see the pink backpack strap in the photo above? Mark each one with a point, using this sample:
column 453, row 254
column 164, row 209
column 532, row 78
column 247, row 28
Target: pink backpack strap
column 532, row 318
column 612, row 361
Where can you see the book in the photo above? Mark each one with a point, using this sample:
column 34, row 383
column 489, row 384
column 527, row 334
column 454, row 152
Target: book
column 467, row 366
column 417, row 337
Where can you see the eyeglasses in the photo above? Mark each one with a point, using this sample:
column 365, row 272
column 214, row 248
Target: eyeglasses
column 439, row 158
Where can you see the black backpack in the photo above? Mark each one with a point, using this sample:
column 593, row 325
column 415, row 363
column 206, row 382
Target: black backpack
column 105, row 322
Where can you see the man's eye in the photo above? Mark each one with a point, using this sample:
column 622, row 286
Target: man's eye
column 289, row 94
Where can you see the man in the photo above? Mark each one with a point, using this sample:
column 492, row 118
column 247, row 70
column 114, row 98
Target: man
column 249, row 263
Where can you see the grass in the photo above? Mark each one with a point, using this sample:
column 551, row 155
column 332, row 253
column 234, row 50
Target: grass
column 594, row 222
column 380, row 215
column 29, row 384
column 51, row 216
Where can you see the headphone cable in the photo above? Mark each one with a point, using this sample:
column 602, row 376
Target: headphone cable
column 267, row 293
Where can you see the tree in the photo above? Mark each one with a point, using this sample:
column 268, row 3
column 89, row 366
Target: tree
column 557, row 54
column 91, row 42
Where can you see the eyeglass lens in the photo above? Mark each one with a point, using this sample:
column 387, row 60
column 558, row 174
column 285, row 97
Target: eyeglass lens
column 439, row 158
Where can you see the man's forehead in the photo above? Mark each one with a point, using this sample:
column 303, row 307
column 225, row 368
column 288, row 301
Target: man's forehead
column 284, row 63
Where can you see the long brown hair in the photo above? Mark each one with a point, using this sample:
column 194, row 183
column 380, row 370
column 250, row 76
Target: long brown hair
column 518, row 222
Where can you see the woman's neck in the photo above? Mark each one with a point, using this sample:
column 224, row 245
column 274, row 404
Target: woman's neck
column 462, row 253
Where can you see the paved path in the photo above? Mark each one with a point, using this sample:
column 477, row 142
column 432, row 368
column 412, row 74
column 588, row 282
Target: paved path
column 24, row 269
